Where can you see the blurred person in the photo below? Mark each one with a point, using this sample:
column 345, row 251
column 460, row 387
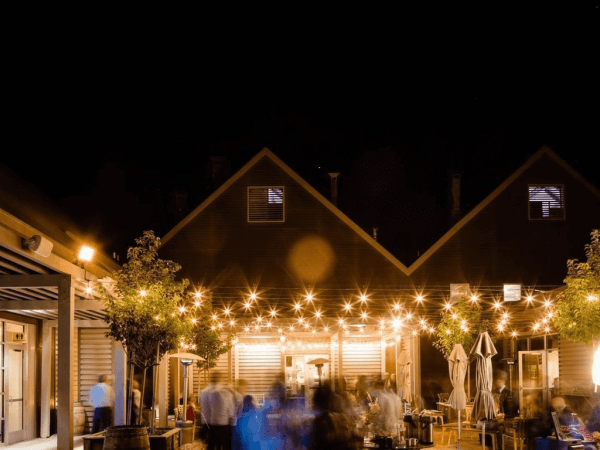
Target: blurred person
column 330, row 430
column 592, row 424
column 102, row 398
column 246, row 433
column 390, row 384
column 238, row 395
column 218, row 409
column 136, row 403
column 362, row 391
column 508, row 401
column 271, row 418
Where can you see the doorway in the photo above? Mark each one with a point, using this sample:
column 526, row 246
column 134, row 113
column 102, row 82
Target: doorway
column 13, row 373
column 537, row 371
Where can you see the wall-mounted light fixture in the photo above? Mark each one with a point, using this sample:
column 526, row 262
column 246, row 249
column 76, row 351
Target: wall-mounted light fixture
column 38, row 244
column 86, row 254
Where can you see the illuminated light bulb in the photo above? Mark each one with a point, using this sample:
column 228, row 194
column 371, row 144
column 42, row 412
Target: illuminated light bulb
column 550, row 315
column 347, row 306
column 419, row 298
column 363, row 298
column 409, row 316
column 257, row 327
column 282, row 338
column 197, row 303
column 505, row 316
column 501, row 327
column 213, row 328
column 497, row 305
column 156, row 317
column 344, row 326
column 182, row 309
column 231, row 323
column 422, row 322
column 341, row 321
column 297, row 307
column 309, row 297
column 326, row 329
column 291, row 327
column 396, row 307
column 300, row 320
column 431, row 329
column 253, row 296
column 273, row 313
column 194, row 320
column 454, row 316
column 198, row 294
column 318, row 314
column 544, row 320
column 447, row 306
column 592, row 298
column 143, row 293
column 283, row 348
column 280, row 330
column 448, row 332
column 363, row 315
column 514, row 334
column 220, row 325
column 269, row 325
column 306, row 325
column 397, row 323
column 247, row 305
column 547, row 329
column 362, row 330
column 536, row 326
column 547, row 303
column 529, row 298
column 214, row 317
column 259, row 319
column 246, row 329
column 314, row 331
column 88, row 290
column 414, row 333
column 227, row 311
column 474, row 298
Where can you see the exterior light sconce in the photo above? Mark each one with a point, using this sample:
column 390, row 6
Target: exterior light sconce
column 38, row 244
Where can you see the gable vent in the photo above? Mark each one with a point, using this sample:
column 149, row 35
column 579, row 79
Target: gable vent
column 266, row 204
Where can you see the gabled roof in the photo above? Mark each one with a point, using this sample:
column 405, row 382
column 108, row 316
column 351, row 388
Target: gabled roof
column 266, row 153
column 544, row 151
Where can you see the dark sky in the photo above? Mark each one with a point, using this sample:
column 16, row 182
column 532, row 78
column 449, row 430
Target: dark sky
column 394, row 168
column 391, row 101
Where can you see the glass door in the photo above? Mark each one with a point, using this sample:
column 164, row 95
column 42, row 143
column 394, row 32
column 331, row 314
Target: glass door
column 533, row 383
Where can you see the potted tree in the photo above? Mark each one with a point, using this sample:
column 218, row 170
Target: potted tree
column 142, row 312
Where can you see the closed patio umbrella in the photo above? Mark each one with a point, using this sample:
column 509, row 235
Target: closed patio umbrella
column 484, row 404
column 457, row 366
column 403, row 376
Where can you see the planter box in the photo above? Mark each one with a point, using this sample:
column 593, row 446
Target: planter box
column 163, row 439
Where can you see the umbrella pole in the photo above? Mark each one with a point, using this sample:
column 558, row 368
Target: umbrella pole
column 483, row 433
column 458, row 438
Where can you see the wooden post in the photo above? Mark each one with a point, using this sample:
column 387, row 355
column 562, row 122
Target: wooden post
column 66, row 306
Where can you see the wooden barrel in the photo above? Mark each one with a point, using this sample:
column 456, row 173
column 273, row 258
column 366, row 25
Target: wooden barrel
column 133, row 437
column 79, row 418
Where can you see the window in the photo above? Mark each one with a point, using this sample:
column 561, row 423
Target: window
column 265, row 204
column 546, row 202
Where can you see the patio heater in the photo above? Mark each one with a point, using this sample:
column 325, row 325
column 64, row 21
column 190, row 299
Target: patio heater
column 186, row 359
column 319, row 364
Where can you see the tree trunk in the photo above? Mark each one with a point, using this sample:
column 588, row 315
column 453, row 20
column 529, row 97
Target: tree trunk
column 139, row 419
column 154, row 389
column 130, row 392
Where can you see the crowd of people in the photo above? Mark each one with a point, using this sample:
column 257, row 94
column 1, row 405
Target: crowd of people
column 233, row 421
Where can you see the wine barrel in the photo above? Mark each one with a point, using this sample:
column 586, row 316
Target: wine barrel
column 133, row 437
column 79, row 418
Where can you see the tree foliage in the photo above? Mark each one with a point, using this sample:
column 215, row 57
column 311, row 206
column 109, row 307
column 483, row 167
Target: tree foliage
column 577, row 314
column 461, row 324
column 205, row 340
column 141, row 306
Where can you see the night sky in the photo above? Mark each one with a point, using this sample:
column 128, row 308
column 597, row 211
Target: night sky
column 392, row 104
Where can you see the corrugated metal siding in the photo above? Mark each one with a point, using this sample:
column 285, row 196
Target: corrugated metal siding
column 96, row 358
column 75, row 350
column 574, row 366
column 260, row 365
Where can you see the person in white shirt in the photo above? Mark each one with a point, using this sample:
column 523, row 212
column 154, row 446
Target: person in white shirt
column 102, row 398
column 218, row 408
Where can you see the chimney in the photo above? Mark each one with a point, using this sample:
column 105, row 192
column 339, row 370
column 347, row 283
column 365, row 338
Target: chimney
column 334, row 187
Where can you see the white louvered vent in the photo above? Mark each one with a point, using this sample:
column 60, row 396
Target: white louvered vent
column 266, row 204
column 546, row 202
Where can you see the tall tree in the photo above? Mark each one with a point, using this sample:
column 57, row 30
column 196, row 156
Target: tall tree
column 142, row 308
column 578, row 307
